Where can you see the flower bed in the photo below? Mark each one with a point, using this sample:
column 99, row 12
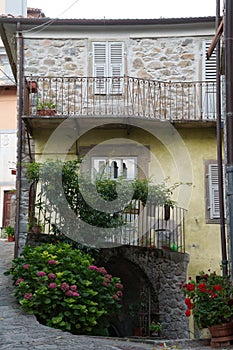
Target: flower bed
column 65, row 290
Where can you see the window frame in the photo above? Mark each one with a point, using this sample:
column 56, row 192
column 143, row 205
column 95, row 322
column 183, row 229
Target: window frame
column 109, row 173
column 212, row 192
column 108, row 62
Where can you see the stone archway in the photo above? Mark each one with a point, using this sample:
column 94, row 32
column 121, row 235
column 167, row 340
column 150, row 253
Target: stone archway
column 160, row 273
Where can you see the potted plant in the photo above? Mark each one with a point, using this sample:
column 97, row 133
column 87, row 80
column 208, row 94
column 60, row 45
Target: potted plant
column 10, row 231
column 32, row 86
column 209, row 300
column 36, row 227
column 155, row 328
column 46, row 108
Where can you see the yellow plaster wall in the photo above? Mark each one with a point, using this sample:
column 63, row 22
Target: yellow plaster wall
column 202, row 240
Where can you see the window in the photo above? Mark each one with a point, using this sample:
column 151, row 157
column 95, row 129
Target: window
column 209, row 76
column 212, row 192
column 108, row 67
column 114, row 168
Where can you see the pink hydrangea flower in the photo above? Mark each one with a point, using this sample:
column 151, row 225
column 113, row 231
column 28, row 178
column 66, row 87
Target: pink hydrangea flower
column 69, row 293
column 41, row 273
column 93, row 267
column 52, row 262
column 75, row 294
column 102, row 270
column 73, row 287
column 19, row 280
column 28, row 296
column 52, row 285
column 64, row 286
column 115, row 297
column 52, row 276
column 119, row 293
column 119, row 285
column 26, row 266
column 105, row 284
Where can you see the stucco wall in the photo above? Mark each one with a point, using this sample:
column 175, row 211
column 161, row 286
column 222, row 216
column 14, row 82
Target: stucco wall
column 8, row 140
column 202, row 239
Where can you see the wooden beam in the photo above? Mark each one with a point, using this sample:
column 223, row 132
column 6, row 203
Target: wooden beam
column 215, row 40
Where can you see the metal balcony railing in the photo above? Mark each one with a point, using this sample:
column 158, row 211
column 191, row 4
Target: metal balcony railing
column 149, row 226
column 119, row 96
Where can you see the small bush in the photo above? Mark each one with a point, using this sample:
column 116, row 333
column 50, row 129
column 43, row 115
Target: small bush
column 64, row 289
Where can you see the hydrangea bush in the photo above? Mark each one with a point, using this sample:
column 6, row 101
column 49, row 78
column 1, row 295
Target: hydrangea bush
column 64, row 289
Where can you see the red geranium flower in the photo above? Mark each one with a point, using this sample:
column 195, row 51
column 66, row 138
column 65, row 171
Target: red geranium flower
column 188, row 313
column 217, row 287
column 190, row 287
column 202, row 287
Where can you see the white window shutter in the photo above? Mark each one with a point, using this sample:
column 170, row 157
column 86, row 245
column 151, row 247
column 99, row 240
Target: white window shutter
column 116, row 66
column 210, row 64
column 214, row 191
column 209, row 76
column 100, row 67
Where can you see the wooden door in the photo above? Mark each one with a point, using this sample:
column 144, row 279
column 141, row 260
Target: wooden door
column 7, row 207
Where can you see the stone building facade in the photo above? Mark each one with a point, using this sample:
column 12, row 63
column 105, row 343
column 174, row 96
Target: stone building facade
column 153, row 53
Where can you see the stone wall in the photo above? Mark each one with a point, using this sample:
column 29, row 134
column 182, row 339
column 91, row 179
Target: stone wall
column 163, row 271
column 175, row 59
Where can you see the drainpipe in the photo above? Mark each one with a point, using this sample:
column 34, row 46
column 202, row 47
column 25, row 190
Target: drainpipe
column 228, row 25
column 20, row 137
column 219, row 147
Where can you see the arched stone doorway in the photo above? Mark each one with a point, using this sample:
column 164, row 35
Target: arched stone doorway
column 151, row 279
column 139, row 302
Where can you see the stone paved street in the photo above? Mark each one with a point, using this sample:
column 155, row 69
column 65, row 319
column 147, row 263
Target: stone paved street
column 20, row 331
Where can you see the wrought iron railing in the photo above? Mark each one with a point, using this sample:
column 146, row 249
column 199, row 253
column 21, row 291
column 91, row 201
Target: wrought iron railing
column 149, row 226
column 120, row 96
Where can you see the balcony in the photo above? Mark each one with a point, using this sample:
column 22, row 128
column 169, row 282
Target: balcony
column 150, row 226
column 119, row 97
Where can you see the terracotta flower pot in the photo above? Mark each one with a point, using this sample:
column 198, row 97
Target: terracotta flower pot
column 224, row 330
column 10, row 239
column 46, row 112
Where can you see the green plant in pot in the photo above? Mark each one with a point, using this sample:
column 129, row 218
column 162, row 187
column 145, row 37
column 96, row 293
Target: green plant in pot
column 155, row 328
column 46, row 107
column 10, row 232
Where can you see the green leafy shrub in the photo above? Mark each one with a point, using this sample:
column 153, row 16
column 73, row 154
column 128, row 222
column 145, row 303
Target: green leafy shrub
column 62, row 185
column 63, row 288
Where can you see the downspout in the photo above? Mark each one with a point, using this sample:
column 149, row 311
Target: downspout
column 219, row 147
column 20, row 45
column 229, row 115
